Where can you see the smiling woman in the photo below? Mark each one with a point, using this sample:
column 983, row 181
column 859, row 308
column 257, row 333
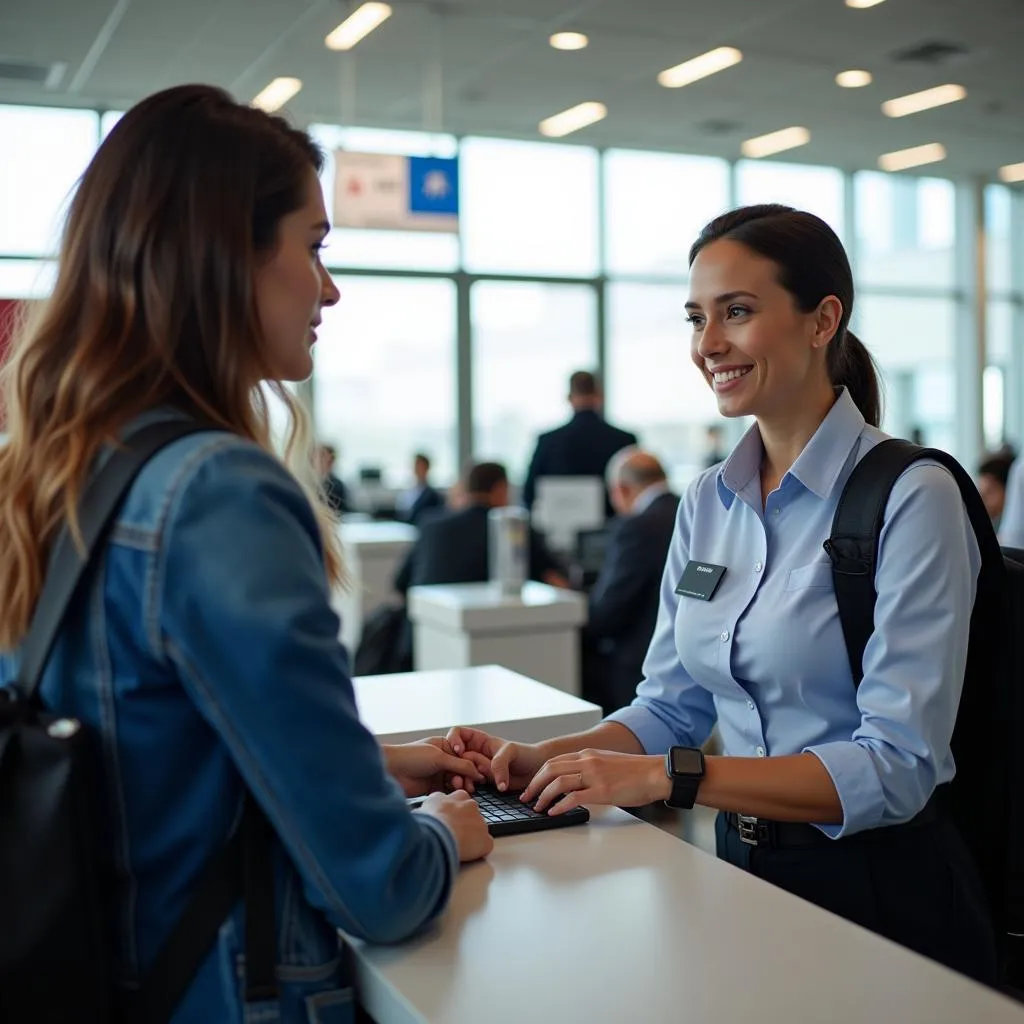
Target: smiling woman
column 834, row 784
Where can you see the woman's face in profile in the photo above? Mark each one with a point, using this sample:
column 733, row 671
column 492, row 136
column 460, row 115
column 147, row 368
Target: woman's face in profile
column 292, row 287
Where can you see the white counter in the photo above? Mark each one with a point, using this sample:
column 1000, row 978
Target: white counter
column 373, row 554
column 410, row 706
column 617, row 921
column 535, row 631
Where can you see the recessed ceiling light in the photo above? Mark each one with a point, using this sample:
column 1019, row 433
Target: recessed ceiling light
column 573, row 119
column 902, row 159
column 277, row 94
column 918, row 101
column 569, row 41
column 775, row 142
column 860, row 5
column 854, row 79
column 357, row 26
column 709, row 63
column 1011, row 173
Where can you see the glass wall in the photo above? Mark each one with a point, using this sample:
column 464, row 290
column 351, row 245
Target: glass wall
column 571, row 258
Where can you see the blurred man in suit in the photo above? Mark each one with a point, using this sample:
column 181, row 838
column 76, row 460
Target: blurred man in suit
column 335, row 492
column 583, row 446
column 625, row 598
column 453, row 546
column 421, row 500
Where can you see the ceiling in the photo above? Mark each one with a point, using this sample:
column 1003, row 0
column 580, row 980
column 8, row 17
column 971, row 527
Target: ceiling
column 484, row 67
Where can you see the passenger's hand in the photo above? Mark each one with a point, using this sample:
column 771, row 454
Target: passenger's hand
column 512, row 765
column 461, row 814
column 598, row 777
column 430, row 765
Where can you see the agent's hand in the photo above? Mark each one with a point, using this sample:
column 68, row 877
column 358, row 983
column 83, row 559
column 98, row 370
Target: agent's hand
column 461, row 814
column 511, row 765
column 598, row 777
column 430, row 765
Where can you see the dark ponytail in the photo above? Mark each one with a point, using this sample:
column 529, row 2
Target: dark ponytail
column 812, row 265
column 851, row 366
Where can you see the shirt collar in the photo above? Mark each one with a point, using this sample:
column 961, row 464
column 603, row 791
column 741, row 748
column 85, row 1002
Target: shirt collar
column 817, row 467
column 648, row 496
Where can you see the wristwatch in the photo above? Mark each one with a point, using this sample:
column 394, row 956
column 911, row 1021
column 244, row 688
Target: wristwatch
column 685, row 767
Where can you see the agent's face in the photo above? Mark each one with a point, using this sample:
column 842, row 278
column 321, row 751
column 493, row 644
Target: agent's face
column 292, row 286
column 759, row 353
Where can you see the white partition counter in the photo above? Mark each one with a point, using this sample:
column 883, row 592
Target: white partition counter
column 410, row 706
column 534, row 631
column 618, row 921
column 373, row 554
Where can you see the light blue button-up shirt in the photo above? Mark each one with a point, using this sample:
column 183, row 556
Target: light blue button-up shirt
column 1011, row 528
column 765, row 657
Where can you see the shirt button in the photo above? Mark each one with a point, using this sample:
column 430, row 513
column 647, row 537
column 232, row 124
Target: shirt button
column 758, row 566
column 751, row 705
column 725, row 636
column 760, row 751
column 776, row 510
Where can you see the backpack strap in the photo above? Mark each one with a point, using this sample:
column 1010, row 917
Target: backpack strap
column 101, row 499
column 244, row 865
column 857, row 527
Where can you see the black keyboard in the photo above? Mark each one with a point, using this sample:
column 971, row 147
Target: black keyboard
column 507, row 816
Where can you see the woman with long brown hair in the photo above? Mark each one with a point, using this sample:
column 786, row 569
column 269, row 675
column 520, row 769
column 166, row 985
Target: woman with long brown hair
column 204, row 651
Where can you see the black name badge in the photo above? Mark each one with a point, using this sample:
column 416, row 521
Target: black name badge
column 700, row 580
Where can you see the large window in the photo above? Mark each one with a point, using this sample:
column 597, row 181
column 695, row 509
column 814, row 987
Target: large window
column 529, row 208
column 527, row 340
column 655, row 206
column 653, row 387
column 912, row 339
column 45, row 152
column 384, row 385
column 905, row 230
column 818, row 190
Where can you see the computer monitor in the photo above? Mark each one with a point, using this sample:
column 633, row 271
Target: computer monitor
column 565, row 505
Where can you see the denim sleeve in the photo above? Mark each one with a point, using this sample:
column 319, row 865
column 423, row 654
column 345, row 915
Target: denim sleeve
column 241, row 600
column 927, row 574
column 670, row 707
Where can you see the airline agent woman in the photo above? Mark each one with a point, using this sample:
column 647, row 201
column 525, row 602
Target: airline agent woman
column 840, row 779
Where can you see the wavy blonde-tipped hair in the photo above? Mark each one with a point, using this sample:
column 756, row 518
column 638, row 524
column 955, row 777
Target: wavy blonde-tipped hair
column 153, row 307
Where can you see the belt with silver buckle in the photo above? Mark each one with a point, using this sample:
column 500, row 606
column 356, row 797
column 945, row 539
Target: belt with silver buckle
column 751, row 830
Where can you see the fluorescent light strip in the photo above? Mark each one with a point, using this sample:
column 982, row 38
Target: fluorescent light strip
column 918, row 101
column 1011, row 173
column 569, row 41
column 357, row 26
column 573, row 119
column 861, row 5
column 775, row 142
column 277, row 94
column 709, row 63
column 903, row 159
column 854, row 79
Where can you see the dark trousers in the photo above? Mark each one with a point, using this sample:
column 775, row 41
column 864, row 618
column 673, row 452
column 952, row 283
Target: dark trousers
column 917, row 886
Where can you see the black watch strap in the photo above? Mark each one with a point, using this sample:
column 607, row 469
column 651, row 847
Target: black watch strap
column 685, row 783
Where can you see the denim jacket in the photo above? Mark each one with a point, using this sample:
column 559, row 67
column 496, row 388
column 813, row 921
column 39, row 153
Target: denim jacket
column 205, row 654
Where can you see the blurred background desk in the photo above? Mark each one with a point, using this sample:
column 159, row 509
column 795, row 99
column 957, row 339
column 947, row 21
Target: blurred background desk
column 535, row 632
column 373, row 553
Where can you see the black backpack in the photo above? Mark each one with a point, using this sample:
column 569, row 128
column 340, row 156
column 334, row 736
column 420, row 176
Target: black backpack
column 384, row 648
column 54, row 899
column 986, row 798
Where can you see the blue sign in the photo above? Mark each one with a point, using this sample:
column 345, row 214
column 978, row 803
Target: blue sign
column 434, row 186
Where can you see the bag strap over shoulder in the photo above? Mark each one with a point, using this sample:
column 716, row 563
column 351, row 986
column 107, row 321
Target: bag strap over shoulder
column 101, row 499
column 857, row 527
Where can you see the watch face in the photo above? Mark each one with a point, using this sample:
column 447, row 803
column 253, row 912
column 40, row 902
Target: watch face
column 687, row 761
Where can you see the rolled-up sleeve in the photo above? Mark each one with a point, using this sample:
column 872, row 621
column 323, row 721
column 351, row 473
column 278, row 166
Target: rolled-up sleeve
column 240, row 605
column 914, row 662
column 670, row 707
